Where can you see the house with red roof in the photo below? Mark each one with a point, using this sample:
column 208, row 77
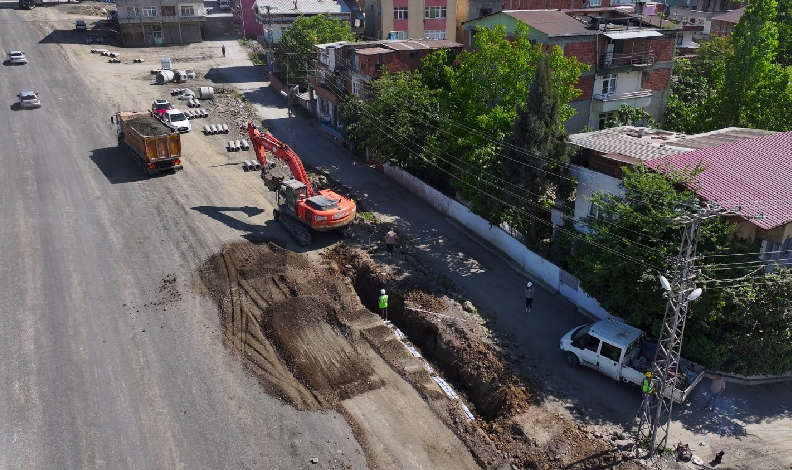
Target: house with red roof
column 754, row 175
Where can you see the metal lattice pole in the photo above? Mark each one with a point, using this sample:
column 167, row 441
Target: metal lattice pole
column 655, row 412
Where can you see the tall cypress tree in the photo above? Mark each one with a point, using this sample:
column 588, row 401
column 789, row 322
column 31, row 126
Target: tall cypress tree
column 536, row 152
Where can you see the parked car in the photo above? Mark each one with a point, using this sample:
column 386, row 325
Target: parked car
column 29, row 100
column 80, row 26
column 17, row 58
column 176, row 120
column 160, row 107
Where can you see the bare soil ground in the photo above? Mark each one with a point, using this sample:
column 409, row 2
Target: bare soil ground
column 304, row 323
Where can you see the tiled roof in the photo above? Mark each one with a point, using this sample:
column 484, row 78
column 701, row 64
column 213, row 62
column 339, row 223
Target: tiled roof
column 374, row 51
column 754, row 174
column 303, row 7
column 719, row 137
column 553, row 23
column 731, row 17
column 624, row 141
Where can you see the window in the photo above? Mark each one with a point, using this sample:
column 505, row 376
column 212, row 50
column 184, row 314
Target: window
column 609, row 84
column 397, row 35
column 434, row 12
column 187, row 10
column 435, row 34
column 595, row 3
column 679, row 40
column 415, row 55
column 356, row 87
column 168, row 11
column 133, row 12
column 610, row 351
column 400, row 13
column 353, row 60
column 156, row 31
column 485, row 11
column 149, row 11
column 324, row 107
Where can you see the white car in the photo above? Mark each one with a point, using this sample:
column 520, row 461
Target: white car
column 17, row 58
column 28, row 100
column 176, row 120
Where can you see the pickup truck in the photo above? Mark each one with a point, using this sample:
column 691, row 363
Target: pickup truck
column 621, row 352
column 176, row 120
column 150, row 143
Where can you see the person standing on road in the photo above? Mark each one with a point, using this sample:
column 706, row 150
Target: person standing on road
column 383, row 304
column 529, row 296
column 223, row 49
column 390, row 240
column 717, row 387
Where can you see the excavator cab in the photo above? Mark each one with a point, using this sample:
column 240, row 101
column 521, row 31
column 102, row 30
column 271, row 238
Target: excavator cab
column 293, row 192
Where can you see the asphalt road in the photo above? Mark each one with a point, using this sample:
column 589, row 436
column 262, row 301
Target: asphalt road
column 104, row 364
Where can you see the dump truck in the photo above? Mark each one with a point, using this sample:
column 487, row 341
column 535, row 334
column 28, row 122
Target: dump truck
column 153, row 145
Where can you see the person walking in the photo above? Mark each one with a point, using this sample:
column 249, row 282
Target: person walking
column 390, row 240
column 529, row 296
column 383, row 304
column 223, row 49
column 716, row 389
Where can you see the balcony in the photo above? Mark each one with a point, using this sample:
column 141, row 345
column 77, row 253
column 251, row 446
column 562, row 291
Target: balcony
column 159, row 19
column 640, row 59
column 603, row 103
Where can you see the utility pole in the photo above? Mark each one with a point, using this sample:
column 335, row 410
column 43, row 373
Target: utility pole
column 270, row 59
column 655, row 411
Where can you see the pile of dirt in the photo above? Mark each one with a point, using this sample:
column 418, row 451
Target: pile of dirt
column 90, row 10
column 149, row 126
column 233, row 109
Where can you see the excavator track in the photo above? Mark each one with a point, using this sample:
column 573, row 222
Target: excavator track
column 299, row 231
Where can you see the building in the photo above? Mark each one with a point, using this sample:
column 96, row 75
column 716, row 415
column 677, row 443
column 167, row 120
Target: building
column 701, row 12
column 753, row 175
column 245, row 19
column 277, row 16
column 686, row 44
column 723, row 25
column 166, row 22
column 627, row 64
column 343, row 69
column 412, row 19
column 601, row 156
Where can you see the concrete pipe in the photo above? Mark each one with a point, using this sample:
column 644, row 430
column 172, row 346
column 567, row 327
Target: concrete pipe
column 225, row 129
column 207, row 130
column 213, row 128
column 256, row 165
column 244, row 144
column 231, row 146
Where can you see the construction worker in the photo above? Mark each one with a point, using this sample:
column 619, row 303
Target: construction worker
column 648, row 388
column 383, row 304
column 223, row 49
column 529, row 296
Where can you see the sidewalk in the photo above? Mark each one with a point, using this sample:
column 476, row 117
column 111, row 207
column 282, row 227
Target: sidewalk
column 756, row 421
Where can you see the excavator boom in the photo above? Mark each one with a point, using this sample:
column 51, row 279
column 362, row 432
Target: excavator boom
column 263, row 142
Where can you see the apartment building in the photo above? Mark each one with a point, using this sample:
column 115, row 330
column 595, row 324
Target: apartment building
column 412, row 19
column 166, row 22
column 276, row 16
column 704, row 12
column 629, row 60
column 344, row 69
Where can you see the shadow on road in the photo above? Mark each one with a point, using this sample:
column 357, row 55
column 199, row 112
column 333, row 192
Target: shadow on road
column 117, row 167
column 234, row 74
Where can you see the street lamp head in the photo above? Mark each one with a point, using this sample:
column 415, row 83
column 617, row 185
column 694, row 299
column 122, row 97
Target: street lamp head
column 664, row 282
column 695, row 294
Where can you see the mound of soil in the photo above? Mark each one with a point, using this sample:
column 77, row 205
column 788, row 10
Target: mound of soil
column 149, row 126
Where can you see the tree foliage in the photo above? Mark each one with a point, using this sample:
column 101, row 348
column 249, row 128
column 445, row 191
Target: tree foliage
column 295, row 49
column 728, row 328
column 628, row 115
column 535, row 158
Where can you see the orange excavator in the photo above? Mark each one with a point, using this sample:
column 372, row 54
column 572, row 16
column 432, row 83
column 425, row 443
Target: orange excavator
column 301, row 208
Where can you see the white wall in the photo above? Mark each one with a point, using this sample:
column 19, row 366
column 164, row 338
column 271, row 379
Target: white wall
column 626, row 82
column 589, row 182
column 539, row 268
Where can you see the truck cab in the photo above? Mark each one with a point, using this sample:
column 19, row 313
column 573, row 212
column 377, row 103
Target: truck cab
column 618, row 350
column 176, row 120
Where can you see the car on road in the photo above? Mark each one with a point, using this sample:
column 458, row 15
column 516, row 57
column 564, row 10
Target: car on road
column 176, row 120
column 80, row 25
column 160, row 107
column 29, row 100
column 16, row 58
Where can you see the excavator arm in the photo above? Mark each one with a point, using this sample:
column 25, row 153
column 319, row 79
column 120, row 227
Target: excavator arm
column 266, row 142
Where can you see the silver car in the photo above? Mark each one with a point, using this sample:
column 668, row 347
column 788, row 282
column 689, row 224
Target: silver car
column 16, row 58
column 29, row 100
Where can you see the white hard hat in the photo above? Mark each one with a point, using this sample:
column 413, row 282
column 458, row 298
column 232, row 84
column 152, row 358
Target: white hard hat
column 382, row 291
column 530, row 284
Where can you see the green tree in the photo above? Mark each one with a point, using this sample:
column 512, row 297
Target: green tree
column 628, row 115
column 693, row 101
column 755, row 40
column 536, row 153
column 784, row 22
column 486, row 90
column 295, row 50
column 390, row 130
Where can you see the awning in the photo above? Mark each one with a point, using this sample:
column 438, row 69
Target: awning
column 632, row 34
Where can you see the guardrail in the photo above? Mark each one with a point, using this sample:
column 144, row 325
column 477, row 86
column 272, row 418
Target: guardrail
column 622, row 96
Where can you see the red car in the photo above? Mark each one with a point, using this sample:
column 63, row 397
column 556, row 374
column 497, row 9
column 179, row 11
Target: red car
column 160, row 107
